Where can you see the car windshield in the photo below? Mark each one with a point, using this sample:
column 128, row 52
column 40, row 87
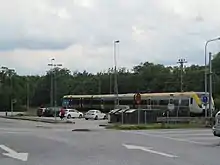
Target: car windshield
column 91, row 111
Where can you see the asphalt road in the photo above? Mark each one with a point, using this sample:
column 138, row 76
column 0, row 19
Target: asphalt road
column 48, row 144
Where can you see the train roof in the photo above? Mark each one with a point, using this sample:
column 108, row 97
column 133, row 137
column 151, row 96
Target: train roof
column 132, row 94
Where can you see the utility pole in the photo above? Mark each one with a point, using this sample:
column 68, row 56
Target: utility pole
column 28, row 94
column 110, row 81
column 181, row 61
column 51, row 82
column 115, row 75
column 210, row 84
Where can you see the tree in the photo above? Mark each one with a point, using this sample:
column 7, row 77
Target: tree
column 145, row 77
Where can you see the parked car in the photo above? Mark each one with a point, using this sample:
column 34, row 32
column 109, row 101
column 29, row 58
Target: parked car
column 95, row 114
column 40, row 112
column 51, row 111
column 73, row 113
column 216, row 126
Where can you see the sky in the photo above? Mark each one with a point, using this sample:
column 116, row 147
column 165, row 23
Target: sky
column 79, row 34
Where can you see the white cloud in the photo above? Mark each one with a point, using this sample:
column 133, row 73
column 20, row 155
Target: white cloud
column 80, row 33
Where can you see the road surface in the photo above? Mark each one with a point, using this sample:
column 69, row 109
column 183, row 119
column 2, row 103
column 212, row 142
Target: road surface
column 31, row 143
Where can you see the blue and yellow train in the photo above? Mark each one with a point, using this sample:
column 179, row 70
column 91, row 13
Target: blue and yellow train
column 184, row 102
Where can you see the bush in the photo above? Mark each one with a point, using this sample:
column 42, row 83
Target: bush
column 153, row 126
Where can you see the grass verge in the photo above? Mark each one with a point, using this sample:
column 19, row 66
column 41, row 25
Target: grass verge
column 153, row 126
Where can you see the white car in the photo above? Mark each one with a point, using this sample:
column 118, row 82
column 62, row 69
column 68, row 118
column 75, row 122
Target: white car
column 73, row 113
column 95, row 114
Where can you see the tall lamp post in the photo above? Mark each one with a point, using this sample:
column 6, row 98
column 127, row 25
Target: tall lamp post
column 206, row 72
column 28, row 91
column 210, row 84
column 53, row 86
column 115, row 74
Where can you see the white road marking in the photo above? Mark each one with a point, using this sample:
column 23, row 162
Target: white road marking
column 204, row 138
column 167, row 137
column 13, row 154
column 148, row 149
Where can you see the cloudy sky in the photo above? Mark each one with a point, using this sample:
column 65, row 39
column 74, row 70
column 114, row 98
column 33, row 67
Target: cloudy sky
column 79, row 33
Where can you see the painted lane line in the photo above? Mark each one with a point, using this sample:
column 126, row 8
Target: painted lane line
column 148, row 149
column 166, row 137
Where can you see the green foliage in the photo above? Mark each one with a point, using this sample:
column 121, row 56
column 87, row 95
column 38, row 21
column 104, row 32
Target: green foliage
column 153, row 126
column 146, row 77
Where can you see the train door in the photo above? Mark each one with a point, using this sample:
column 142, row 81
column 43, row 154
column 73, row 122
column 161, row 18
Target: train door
column 102, row 104
column 149, row 103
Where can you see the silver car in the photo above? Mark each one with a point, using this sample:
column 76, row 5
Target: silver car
column 95, row 114
column 216, row 127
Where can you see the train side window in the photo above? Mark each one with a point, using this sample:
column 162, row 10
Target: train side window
column 185, row 102
column 148, row 101
column 125, row 102
column 176, row 102
column 171, row 101
column 154, row 102
column 96, row 101
column 164, row 102
column 191, row 100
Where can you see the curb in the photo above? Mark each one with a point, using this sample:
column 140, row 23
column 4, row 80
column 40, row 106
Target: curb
column 37, row 120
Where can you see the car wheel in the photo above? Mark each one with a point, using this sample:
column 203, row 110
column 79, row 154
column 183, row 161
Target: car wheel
column 105, row 117
column 69, row 116
column 86, row 118
column 80, row 116
column 96, row 118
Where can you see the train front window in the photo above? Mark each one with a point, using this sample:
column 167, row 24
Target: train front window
column 65, row 102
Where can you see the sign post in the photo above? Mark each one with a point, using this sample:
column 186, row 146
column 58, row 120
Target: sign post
column 13, row 101
column 138, row 102
column 205, row 101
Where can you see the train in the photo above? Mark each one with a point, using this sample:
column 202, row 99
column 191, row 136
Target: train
column 183, row 103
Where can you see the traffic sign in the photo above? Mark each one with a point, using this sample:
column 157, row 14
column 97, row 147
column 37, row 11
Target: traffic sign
column 138, row 98
column 205, row 99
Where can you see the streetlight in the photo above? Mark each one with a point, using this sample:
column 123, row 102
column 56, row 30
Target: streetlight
column 115, row 73
column 206, row 44
column 12, row 100
column 28, row 91
column 51, row 82
column 53, row 93
column 210, row 84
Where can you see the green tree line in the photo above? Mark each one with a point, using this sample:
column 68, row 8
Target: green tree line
column 145, row 77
